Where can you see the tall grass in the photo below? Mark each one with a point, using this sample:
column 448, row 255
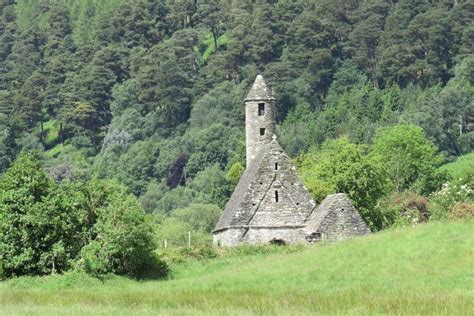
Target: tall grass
column 428, row 269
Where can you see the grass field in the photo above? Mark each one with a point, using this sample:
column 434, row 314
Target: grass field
column 427, row 270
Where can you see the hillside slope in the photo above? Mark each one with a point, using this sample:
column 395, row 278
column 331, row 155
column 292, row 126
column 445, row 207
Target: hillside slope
column 428, row 269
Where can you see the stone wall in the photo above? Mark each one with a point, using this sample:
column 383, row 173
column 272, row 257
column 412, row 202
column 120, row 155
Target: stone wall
column 259, row 236
column 228, row 237
column 255, row 122
column 277, row 235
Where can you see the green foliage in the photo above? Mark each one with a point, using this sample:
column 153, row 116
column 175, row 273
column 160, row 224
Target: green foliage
column 201, row 217
column 234, row 174
column 341, row 166
column 46, row 228
column 410, row 161
column 51, row 129
column 208, row 47
column 41, row 227
column 460, row 167
column 404, row 210
column 121, row 237
column 453, row 197
column 187, row 231
column 8, row 146
column 212, row 185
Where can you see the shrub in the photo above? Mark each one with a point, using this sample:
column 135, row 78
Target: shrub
column 404, row 209
column 47, row 228
column 121, row 238
column 462, row 210
column 41, row 228
column 177, row 255
column 411, row 162
column 201, row 217
column 451, row 194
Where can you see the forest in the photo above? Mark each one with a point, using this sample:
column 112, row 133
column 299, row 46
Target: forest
column 122, row 122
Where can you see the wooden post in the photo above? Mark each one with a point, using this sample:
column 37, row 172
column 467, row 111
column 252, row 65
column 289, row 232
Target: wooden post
column 189, row 239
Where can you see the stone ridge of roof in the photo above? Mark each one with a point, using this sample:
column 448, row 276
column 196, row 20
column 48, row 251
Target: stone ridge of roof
column 260, row 90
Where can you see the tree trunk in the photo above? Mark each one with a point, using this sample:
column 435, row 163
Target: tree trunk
column 215, row 36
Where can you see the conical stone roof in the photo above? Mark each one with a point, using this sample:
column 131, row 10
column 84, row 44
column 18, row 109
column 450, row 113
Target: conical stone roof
column 260, row 91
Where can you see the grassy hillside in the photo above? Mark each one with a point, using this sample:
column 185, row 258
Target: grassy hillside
column 428, row 269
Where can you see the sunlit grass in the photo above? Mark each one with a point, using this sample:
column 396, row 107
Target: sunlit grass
column 428, row 269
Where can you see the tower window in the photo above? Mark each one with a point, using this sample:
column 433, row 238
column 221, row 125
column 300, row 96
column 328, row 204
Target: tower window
column 276, row 165
column 276, row 195
column 262, row 131
column 261, row 109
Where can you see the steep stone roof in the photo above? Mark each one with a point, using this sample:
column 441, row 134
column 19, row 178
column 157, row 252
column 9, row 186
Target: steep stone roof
column 337, row 213
column 260, row 90
column 252, row 202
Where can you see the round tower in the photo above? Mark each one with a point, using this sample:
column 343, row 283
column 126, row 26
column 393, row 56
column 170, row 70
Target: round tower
column 259, row 118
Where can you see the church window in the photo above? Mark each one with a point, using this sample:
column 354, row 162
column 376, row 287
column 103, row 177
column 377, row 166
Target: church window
column 261, row 109
column 276, row 195
column 262, row 131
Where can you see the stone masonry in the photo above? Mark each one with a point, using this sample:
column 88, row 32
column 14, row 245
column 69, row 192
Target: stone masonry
column 259, row 118
column 270, row 203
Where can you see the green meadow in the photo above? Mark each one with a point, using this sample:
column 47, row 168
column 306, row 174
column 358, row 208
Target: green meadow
column 428, row 269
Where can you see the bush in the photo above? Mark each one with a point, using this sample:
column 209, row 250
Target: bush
column 411, row 162
column 462, row 211
column 451, row 194
column 121, row 239
column 201, row 217
column 177, row 255
column 404, row 209
column 41, row 228
column 46, row 228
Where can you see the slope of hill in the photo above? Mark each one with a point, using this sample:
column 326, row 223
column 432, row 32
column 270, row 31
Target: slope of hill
column 428, row 269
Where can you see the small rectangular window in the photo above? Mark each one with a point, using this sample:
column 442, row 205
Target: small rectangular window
column 261, row 109
column 276, row 165
column 262, row 132
column 276, row 196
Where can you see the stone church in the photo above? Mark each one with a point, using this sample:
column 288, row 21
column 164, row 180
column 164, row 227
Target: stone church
column 270, row 203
